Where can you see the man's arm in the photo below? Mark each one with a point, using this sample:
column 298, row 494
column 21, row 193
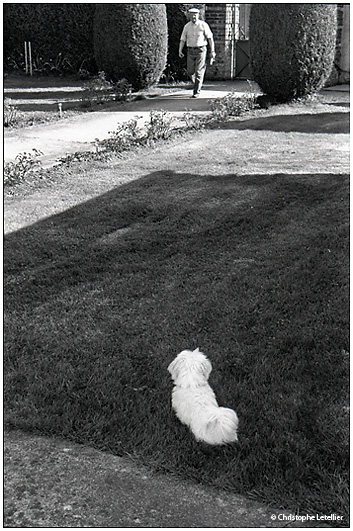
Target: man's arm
column 212, row 49
column 182, row 41
column 181, row 46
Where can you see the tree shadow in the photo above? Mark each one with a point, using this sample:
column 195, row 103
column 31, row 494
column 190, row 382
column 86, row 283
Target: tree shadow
column 325, row 123
column 133, row 227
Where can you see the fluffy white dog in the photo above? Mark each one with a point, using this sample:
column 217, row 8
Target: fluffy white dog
column 195, row 403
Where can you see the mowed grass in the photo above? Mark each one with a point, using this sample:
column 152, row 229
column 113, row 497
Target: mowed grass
column 251, row 269
column 230, row 248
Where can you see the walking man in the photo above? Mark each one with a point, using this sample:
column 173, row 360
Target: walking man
column 196, row 34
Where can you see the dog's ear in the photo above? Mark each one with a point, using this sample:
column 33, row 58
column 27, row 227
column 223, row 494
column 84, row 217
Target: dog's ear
column 206, row 368
column 197, row 350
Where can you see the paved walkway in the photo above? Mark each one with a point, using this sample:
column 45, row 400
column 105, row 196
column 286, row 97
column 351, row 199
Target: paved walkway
column 79, row 133
column 55, row 483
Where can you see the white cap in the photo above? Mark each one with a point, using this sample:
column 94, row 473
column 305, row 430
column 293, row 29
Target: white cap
column 194, row 10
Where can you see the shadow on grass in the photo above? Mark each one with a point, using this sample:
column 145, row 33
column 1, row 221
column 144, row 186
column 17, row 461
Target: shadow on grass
column 252, row 269
column 153, row 218
column 327, row 123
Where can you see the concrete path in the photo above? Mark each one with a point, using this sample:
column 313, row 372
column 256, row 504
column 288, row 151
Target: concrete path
column 55, row 483
column 79, row 133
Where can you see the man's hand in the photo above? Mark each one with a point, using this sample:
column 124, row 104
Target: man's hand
column 181, row 55
column 212, row 58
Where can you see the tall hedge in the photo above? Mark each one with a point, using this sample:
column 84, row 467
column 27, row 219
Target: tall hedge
column 292, row 47
column 130, row 41
column 61, row 36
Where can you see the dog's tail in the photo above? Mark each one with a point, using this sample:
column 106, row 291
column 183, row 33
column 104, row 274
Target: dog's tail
column 221, row 428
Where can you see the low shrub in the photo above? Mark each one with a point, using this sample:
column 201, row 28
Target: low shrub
column 160, row 126
column 10, row 113
column 132, row 133
column 23, row 165
column 193, row 121
column 100, row 90
column 126, row 135
column 233, row 105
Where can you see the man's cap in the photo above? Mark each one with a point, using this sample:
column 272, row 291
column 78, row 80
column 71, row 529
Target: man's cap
column 194, row 10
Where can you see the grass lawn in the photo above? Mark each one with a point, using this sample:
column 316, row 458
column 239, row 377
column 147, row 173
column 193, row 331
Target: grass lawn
column 239, row 245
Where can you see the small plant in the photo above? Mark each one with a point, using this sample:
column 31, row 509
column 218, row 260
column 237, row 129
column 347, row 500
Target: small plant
column 194, row 122
column 10, row 113
column 124, row 137
column 58, row 66
column 23, row 165
column 130, row 133
column 232, row 105
column 160, row 125
column 100, row 90
column 122, row 90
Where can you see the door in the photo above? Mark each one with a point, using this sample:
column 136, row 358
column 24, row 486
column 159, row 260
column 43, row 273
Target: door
column 242, row 59
column 242, row 43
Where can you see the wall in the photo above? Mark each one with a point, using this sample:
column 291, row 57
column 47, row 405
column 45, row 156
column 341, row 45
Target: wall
column 220, row 18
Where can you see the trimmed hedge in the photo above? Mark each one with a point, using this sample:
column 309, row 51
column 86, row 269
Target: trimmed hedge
column 130, row 41
column 61, row 36
column 292, row 47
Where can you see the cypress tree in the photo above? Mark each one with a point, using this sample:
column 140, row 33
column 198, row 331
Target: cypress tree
column 130, row 41
column 292, row 47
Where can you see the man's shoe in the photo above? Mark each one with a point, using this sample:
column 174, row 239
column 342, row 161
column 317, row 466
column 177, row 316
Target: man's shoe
column 195, row 95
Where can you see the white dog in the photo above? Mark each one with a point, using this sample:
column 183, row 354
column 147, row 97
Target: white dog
column 195, row 403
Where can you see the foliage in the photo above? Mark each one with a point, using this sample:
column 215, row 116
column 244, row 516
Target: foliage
column 159, row 126
column 99, row 90
column 126, row 135
column 233, row 105
column 193, row 122
column 61, row 36
column 23, row 165
column 130, row 41
column 292, row 47
column 10, row 113
column 133, row 132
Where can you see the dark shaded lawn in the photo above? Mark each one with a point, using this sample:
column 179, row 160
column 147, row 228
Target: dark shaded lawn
column 251, row 269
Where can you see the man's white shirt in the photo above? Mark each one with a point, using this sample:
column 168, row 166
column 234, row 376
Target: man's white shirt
column 196, row 34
